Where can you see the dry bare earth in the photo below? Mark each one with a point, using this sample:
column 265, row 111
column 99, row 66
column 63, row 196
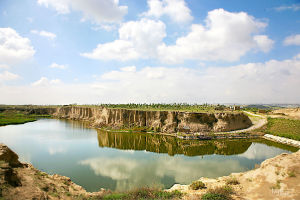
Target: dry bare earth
column 276, row 178
column 293, row 113
column 23, row 181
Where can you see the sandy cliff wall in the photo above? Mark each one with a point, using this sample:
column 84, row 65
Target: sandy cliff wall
column 163, row 121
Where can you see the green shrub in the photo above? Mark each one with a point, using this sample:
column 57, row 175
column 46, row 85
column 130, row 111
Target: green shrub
column 218, row 193
column 196, row 185
column 232, row 181
column 143, row 193
column 291, row 174
column 212, row 196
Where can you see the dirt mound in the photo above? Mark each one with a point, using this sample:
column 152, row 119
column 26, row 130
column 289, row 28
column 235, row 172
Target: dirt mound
column 276, row 178
column 289, row 112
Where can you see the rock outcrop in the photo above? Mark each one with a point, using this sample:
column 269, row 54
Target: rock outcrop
column 160, row 121
column 23, row 181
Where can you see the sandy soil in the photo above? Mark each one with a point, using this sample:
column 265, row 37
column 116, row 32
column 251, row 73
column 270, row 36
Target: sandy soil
column 276, row 178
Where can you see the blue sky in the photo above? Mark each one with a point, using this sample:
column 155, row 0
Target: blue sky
column 109, row 51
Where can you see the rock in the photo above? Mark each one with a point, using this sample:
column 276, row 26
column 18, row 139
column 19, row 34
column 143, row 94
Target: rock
column 8, row 156
column 8, row 160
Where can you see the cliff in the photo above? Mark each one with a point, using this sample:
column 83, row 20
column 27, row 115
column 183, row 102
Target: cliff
column 160, row 121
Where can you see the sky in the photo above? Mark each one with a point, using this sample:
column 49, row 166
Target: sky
column 149, row 51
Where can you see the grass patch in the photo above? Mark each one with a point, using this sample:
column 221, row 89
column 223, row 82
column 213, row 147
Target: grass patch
column 232, row 181
column 143, row 193
column 291, row 174
column 183, row 107
column 219, row 193
column 277, row 185
column 196, row 185
column 15, row 117
column 287, row 128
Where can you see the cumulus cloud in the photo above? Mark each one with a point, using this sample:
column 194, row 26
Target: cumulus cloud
column 44, row 82
column 2, row 66
column 128, row 172
column 177, row 10
column 226, row 36
column 99, row 11
column 274, row 81
column 55, row 65
column 270, row 82
column 292, row 40
column 8, row 76
column 134, row 42
column 13, row 47
column 46, row 34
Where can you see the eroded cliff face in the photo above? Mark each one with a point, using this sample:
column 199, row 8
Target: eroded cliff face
column 161, row 121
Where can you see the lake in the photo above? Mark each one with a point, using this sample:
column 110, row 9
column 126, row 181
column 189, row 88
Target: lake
column 97, row 159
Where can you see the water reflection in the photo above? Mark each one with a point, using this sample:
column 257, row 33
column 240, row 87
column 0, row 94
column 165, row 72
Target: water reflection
column 170, row 145
column 119, row 161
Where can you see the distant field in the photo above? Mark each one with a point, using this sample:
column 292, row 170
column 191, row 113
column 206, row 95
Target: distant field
column 167, row 107
column 12, row 117
column 284, row 127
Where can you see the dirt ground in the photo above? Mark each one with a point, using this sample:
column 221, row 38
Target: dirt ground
column 276, row 178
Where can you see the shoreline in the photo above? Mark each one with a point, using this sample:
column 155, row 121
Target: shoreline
column 261, row 183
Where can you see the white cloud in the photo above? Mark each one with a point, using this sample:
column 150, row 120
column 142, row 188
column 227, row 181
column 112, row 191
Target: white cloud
column 293, row 7
column 273, row 81
column 292, row 40
column 46, row 34
column 4, row 66
column 128, row 69
column 99, row 11
column 45, row 82
column 263, row 42
column 13, row 47
column 177, row 10
column 226, row 36
column 116, row 50
column 134, row 42
column 270, row 82
column 8, row 76
column 55, row 65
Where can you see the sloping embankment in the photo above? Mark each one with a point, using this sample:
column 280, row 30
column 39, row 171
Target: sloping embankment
column 160, row 121
column 276, row 178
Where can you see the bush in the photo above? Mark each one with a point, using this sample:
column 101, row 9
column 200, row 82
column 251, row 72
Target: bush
column 212, row 196
column 196, row 185
column 232, row 181
column 143, row 193
column 219, row 193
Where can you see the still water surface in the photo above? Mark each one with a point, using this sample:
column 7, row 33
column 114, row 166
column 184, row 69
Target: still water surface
column 96, row 159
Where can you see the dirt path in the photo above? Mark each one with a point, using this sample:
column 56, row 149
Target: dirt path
column 258, row 121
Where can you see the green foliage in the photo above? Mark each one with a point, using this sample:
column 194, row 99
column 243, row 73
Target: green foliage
column 115, row 196
column 143, row 193
column 164, row 107
column 288, row 128
column 212, row 196
column 277, row 186
column 232, row 181
column 291, row 174
column 219, row 193
column 17, row 117
column 196, row 185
